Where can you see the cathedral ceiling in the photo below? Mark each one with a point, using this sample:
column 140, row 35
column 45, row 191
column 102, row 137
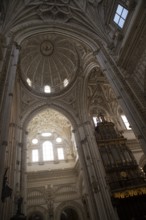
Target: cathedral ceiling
column 86, row 15
column 48, row 60
column 51, row 59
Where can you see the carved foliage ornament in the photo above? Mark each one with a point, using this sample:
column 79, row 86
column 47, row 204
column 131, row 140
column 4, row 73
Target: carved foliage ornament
column 54, row 9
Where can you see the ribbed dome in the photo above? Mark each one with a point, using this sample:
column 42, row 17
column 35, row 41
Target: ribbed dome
column 48, row 63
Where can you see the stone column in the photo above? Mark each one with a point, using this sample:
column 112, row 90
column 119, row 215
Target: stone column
column 23, row 171
column 98, row 192
column 6, row 108
column 87, row 172
column 11, row 163
column 99, row 181
column 126, row 100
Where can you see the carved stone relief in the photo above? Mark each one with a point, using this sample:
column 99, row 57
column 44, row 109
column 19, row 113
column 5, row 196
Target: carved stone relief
column 87, row 14
column 49, row 120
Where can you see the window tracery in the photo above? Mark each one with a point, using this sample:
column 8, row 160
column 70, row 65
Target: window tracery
column 35, row 155
column 47, row 148
column 48, row 154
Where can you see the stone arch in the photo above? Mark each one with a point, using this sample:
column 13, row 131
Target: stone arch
column 72, row 205
column 91, row 42
column 20, row 33
column 62, row 110
column 57, row 106
column 37, row 210
column 90, row 39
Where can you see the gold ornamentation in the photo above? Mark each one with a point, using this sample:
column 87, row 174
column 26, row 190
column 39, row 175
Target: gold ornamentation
column 130, row 193
column 123, row 174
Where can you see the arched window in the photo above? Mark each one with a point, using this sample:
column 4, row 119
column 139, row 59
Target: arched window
column 47, row 89
column 34, row 141
column 48, row 154
column 35, row 155
column 65, row 82
column 60, row 154
column 46, row 134
column 29, row 82
column 126, row 123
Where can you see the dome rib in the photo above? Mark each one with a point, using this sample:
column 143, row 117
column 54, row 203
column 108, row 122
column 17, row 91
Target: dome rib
column 48, row 59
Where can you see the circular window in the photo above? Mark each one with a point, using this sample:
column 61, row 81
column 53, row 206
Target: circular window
column 58, row 140
column 34, row 141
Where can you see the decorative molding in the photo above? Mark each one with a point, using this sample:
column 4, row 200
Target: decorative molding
column 86, row 14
